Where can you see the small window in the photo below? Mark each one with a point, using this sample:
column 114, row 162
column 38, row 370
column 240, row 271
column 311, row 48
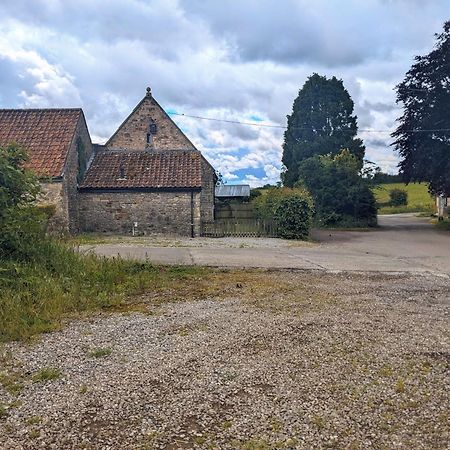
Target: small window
column 153, row 128
column 122, row 175
column 149, row 138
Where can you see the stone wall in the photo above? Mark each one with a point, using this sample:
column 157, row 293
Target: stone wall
column 132, row 134
column 71, row 173
column 63, row 193
column 208, row 191
column 53, row 194
column 167, row 212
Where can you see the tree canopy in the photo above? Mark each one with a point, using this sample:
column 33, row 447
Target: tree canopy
column 322, row 122
column 423, row 136
column 341, row 195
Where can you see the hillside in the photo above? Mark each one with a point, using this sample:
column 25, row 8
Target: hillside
column 419, row 200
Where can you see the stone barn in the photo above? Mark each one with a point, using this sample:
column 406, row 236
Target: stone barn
column 59, row 147
column 147, row 178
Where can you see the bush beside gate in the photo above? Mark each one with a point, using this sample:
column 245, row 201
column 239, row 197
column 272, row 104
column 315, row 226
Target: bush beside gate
column 277, row 212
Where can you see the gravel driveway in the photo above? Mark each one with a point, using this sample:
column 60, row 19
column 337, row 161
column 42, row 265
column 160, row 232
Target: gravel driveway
column 332, row 361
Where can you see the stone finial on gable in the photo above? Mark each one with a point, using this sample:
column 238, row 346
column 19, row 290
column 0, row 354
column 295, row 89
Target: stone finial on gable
column 149, row 92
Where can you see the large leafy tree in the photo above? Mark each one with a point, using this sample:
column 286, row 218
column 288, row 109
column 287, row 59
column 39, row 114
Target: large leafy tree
column 322, row 122
column 423, row 136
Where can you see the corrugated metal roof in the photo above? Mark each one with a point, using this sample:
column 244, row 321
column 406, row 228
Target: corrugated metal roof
column 233, row 190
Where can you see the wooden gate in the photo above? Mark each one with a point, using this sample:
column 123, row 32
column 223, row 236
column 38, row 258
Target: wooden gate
column 239, row 228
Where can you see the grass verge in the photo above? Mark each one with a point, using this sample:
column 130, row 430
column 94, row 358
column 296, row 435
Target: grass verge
column 37, row 295
column 443, row 225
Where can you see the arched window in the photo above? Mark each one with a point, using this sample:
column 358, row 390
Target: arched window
column 153, row 128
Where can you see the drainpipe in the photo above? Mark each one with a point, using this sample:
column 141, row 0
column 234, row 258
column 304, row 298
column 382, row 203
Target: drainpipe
column 192, row 214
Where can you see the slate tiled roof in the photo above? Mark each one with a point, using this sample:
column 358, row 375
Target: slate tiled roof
column 121, row 169
column 45, row 133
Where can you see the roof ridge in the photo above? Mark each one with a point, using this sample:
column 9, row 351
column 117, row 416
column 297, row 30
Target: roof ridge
column 151, row 151
column 41, row 109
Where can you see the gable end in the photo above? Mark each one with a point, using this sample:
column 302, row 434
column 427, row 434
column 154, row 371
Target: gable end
column 149, row 126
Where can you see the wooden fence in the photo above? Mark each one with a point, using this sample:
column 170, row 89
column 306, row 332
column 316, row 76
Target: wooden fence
column 239, row 228
column 234, row 211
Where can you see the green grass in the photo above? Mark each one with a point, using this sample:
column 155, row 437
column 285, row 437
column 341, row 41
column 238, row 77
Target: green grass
column 34, row 420
column 46, row 374
column 89, row 239
column 97, row 238
column 38, row 296
column 39, row 293
column 443, row 225
column 100, row 352
column 419, row 200
column 12, row 382
column 3, row 411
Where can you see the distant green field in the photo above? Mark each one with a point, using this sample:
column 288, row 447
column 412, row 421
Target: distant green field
column 419, row 200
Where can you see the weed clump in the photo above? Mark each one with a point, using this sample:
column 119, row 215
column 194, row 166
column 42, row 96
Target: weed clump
column 46, row 374
column 100, row 352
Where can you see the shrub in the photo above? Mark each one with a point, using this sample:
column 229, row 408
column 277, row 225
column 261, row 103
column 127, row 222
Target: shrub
column 364, row 205
column 295, row 221
column 398, row 197
column 293, row 215
column 21, row 222
column 18, row 187
column 331, row 219
column 341, row 195
column 254, row 193
column 20, row 229
column 265, row 204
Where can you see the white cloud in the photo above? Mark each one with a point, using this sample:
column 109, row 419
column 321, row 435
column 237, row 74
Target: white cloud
column 49, row 83
column 231, row 60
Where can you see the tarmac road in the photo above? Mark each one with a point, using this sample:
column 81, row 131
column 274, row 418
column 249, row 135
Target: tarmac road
column 402, row 243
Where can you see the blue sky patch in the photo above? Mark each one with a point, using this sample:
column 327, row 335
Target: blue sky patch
column 241, row 174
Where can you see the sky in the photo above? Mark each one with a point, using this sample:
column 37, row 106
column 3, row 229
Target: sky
column 237, row 60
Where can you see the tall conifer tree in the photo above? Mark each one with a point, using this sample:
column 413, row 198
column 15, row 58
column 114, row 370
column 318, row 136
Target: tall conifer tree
column 322, row 122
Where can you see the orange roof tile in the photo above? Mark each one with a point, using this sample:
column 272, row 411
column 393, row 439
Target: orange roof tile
column 45, row 133
column 121, row 169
